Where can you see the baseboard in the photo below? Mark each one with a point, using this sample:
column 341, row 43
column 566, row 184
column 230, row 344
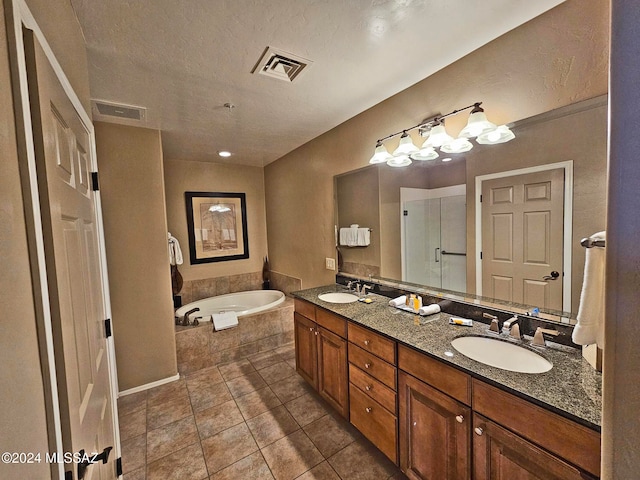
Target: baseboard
column 147, row 386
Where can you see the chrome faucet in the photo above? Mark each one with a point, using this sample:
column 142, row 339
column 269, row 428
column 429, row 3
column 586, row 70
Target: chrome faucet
column 494, row 322
column 538, row 337
column 362, row 289
column 512, row 328
column 186, row 320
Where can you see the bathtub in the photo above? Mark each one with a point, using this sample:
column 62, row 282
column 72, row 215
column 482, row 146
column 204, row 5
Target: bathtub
column 243, row 303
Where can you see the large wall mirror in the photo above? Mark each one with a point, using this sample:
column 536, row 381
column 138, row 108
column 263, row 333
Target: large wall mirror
column 500, row 222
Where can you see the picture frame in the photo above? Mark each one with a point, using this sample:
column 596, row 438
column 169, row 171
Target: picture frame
column 217, row 226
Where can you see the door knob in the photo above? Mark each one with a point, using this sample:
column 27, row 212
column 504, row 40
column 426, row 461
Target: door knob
column 554, row 276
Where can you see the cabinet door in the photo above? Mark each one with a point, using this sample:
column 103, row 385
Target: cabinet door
column 306, row 349
column 332, row 370
column 498, row 453
column 434, row 433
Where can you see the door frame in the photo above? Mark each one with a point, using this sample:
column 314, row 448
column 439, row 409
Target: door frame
column 18, row 16
column 409, row 194
column 567, row 166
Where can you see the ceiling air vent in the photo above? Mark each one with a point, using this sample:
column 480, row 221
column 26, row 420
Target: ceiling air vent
column 107, row 111
column 282, row 65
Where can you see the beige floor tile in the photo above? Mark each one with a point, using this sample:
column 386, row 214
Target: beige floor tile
column 139, row 474
column 320, row 472
column 264, row 359
column 133, row 425
column 210, row 375
column 246, row 384
column 132, row 403
column 276, row 372
column 228, row 447
column 134, row 453
column 185, row 464
column 272, row 425
column 168, row 412
column 205, row 396
column 170, row 438
column 252, row 467
column 257, row 402
column 330, row 434
column 307, row 408
column 291, row 456
column 167, row 393
column 362, row 461
column 239, row 368
column 290, row 388
column 214, row 420
column 291, row 362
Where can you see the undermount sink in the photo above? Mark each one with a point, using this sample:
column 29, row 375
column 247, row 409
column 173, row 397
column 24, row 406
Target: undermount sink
column 338, row 297
column 500, row 354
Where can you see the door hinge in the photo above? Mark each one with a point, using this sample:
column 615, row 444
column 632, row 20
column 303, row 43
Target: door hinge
column 68, row 475
column 118, row 466
column 480, row 255
column 405, row 213
column 94, row 181
column 480, row 198
column 107, row 327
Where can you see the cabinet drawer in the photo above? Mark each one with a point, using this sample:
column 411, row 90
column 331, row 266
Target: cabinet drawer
column 374, row 366
column 445, row 378
column 374, row 422
column 373, row 342
column 331, row 322
column 373, row 388
column 569, row 440
column 305, row 308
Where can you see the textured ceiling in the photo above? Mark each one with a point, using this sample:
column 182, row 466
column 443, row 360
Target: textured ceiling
column 184, row 59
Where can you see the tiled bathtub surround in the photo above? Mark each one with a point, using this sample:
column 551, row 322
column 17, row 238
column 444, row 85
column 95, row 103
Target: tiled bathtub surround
column 284, row 283
column 253, row 419
column 200, row 347
column 193, row 290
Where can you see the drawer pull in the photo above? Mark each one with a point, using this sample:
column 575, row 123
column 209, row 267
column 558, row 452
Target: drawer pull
column 367, row 365
column 459, row 418
column 368, row 388
column 478, row 431
column 366, row 342
column 368, row 409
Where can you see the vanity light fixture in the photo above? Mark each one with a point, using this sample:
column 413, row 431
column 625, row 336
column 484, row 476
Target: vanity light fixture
column 477, row 127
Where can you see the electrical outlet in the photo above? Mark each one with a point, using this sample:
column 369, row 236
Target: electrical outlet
column 330, row 263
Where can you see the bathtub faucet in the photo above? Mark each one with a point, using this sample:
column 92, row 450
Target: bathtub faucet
column 185, row 320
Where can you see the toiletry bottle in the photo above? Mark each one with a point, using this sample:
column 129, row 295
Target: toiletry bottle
column 416, row 302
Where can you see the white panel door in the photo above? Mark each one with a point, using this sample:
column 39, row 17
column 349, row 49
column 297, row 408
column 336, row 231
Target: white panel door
column 71, row 240
column 522, row 238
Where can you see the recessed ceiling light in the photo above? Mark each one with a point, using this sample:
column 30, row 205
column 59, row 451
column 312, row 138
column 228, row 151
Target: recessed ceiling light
column 224, row 153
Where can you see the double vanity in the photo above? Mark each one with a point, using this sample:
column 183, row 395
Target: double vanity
column 410, row 384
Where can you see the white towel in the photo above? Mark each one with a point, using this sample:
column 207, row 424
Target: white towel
column 396, row 302
column 224, row 320
column 363, row 237
column 349, row 237
column 175, row 253
column 429, row 309
column 590, row 327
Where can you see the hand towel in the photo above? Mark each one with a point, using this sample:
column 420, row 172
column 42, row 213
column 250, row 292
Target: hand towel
column 591, row 315
column 396, row 302
column 429, row 309
column 349, row 237
column 363, row 237
column 175, row 253
column 224, row 320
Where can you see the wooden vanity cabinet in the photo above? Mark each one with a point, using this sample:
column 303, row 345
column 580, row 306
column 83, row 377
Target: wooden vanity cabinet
column 321, row 353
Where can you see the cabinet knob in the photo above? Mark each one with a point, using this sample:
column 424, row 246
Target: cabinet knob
column 459, row 418
column 368, row 388
column 366, row 342
column 316, row 332
column 367, row 365
column 368, row 409
column 311, row 329
column 478, row 431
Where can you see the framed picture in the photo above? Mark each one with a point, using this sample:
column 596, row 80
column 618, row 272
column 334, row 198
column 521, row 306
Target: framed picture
column 217, row 226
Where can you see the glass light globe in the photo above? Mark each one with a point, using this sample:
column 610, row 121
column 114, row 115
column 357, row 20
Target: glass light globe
column 477, row 125
column 438, row 136
column 406, row 146
column 399, row 161
column 501, row 134
column 380, row 155
column 459, row 145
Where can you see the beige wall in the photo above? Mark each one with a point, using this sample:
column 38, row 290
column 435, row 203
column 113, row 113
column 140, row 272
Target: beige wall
column 188, row 176
column 554, row 60
column 23, row 414
column 133, row 206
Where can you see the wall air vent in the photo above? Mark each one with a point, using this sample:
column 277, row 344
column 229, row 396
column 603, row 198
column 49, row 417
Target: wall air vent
column 109, row 111
column 282, row 65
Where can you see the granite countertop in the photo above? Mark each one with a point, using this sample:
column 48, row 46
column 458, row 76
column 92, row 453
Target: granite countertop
column 571, row 388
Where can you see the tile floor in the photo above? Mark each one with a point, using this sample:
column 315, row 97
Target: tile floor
column 253, row 419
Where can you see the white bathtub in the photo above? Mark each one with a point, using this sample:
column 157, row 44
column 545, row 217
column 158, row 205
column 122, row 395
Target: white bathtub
column 243, row 303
